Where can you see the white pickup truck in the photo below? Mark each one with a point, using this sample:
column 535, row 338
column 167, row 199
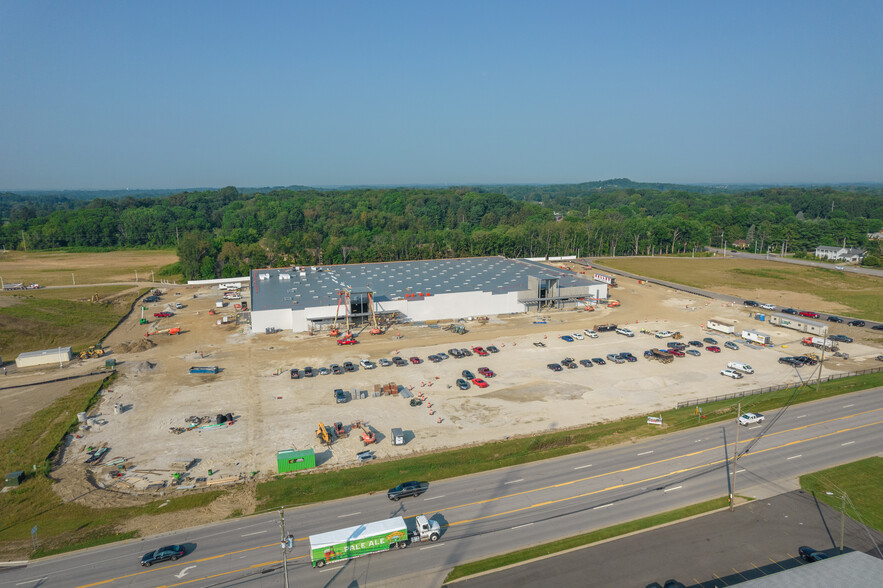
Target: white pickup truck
column 749, row 418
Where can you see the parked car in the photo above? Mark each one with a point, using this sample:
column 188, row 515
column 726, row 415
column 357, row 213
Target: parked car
column 367, row 364
column 295, row 374
column 569, row 364
column 731, row 374
column 790, row 361
column 308, row 372
column 480, row 351
column 407, row 489
column 677, row 352
column 749, row 418
column 697, row 344
column 840, row 338
column 554, row 367
column 434, row 358
column 486, row 372
column 877, row 327
column 324, row 371
column 693, row 352
column 586, row 363
column 467, row 374
column 152, row 299
column 834, row 319
column 856, row 323
column 399, row 361
column 169, row 552
column 336, row 369
column 462, row 384
column 384, row 362
column 768, row 306
column 789, row 311
column 493, row 349
column 479, row 382
column 809, row 554
column 664, row 334
column 577, row 336
column 626, row 332
column 162, row 314
column 415, row 360
column 442, row 355
column 731, row 345
column 628, row 356
column 348, row 341
column 750, row 303
column 710, row 341
column 675, row 345
column 809, row 314
column 713, row 349
column 615, row 358
column 598, row 361
column 590, row 333
column 339, row 396
column 466, row 352
column 455, row 353
column 567, row 338
column 348, row 366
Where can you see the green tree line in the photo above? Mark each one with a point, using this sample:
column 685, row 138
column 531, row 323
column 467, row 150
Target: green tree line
column 224, row 233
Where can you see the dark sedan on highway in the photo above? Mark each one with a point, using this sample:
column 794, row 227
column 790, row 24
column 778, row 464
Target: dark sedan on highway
column 407, row 489
column 169, row 552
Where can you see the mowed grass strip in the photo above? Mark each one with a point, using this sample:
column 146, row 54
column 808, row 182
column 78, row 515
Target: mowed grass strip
column 88, row 266
column 553, row 547
column 62, row 526
column 308, row 487
column 858, row 291
column 860, row 480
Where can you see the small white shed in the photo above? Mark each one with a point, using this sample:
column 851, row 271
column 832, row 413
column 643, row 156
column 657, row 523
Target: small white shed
column 45, row 357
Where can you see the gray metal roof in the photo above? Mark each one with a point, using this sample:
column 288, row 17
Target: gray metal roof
column 854, row 569
column 42, row 352
column 319, row 285
column 796, row 318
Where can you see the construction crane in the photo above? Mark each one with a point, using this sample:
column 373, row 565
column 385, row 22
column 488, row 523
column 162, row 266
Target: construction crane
column 343, row 297
column 376, row 330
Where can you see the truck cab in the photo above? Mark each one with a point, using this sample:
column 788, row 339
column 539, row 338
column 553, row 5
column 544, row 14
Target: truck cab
column 426, row 530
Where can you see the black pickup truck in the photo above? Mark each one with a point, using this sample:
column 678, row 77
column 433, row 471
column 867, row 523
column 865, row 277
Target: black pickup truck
column 407, row 489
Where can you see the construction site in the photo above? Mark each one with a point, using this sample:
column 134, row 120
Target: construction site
column 202, row 398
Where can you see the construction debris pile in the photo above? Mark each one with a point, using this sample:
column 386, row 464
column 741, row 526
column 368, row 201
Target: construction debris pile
column 135, row 346
column 204, row 422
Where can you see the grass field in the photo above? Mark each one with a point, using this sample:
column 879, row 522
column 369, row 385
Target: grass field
column 859, row 481
column 63, row 268
column 844, row 292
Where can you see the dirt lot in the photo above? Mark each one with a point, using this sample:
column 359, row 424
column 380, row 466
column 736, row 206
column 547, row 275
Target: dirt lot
column 274, row 412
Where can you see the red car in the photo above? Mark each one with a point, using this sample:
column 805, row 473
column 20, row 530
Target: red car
column 162, row 314
column 416, row 360
column 678, row 353
column 479, row 382
column 349, row 341
column 486, row 372
column 480, row 351
column 809, row 314
column 713, row 349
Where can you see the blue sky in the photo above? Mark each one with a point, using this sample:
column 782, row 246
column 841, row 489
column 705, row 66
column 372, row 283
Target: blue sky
column 110, row 94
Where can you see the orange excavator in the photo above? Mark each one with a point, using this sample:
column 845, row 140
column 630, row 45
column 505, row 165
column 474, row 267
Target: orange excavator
column 367, row 434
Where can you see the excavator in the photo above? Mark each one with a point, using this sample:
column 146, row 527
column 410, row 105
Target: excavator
column 323, row 434
column 367, row 434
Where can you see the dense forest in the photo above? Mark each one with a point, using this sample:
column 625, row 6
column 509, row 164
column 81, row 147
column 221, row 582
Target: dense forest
column 225, row 232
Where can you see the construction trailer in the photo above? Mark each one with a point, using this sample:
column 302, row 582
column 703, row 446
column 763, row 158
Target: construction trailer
column 55, row 355
column 757, row 337
column 292, row 460
column 798, row 323
column 721, row 326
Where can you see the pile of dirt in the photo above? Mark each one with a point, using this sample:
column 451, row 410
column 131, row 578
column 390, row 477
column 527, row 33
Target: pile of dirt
column 135, row 346
column 142, row 366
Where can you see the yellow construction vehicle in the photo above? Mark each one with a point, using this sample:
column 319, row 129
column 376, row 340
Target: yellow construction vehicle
column 323, row 435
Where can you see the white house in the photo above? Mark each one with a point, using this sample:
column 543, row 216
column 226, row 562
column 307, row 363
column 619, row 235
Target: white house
column 839, row 253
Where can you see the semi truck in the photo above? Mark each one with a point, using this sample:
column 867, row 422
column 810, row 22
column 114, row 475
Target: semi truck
column 369, row 538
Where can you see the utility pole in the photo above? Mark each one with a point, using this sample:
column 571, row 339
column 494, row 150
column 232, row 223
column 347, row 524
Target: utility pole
column 842, row 515
column 287, row 543
column 735, row 458
column 822, row 362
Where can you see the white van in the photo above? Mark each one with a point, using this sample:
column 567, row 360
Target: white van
column 742, row 367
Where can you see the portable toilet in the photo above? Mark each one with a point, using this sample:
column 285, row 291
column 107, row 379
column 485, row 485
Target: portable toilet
column 760, row 317
column 398, row 437
column 291, row 460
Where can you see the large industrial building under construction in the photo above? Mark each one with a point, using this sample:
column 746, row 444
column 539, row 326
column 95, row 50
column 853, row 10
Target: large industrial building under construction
column 308, row 298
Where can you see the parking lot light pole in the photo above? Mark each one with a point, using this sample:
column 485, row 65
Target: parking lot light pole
column 842, row 515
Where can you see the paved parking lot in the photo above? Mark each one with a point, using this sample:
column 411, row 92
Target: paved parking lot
column 721, row 549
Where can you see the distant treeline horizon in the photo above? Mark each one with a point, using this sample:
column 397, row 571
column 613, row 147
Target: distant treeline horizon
column 226, row 232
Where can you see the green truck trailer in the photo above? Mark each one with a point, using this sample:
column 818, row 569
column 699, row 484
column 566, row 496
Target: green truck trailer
column 370, row 538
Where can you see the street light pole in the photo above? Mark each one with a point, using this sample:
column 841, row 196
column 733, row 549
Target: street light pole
column 286, row 544
column 842, row 515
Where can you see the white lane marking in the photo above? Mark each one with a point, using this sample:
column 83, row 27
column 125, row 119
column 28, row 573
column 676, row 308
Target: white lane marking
column 675, row 488
column 352, row 514
column 183, row 572
column 795, row 456
column 603, row 506
column 34, row 580
column 434, row 497
column 519, row 526
column 431, row 546
column 847, row 443
column 849, row 405
column 255, row 533
column 581, row 467
column 514, row 481
column 646, row 452
column 752, row 428
column 740, row 471
column 801, row 416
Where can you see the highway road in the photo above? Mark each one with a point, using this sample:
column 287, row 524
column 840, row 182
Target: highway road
column 497, row 511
